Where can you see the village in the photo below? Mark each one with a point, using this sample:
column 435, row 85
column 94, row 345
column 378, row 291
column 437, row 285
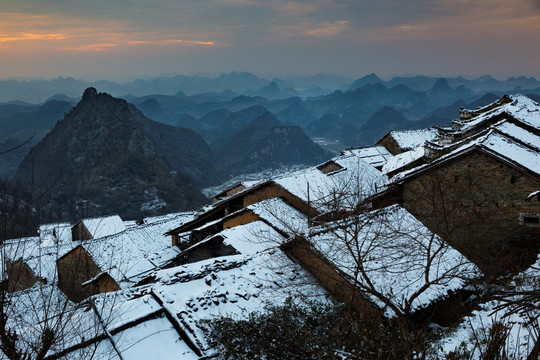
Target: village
column 424, row 227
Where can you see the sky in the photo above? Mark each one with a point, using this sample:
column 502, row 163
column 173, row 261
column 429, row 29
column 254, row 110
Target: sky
column 129, row 39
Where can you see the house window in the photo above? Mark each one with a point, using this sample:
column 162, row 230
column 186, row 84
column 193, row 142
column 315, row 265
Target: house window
column 512, row 179
column 529, row 219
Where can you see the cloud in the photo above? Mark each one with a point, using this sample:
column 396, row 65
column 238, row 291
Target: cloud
column 191, row 42
column 91, row 47
column 99, row 47
column 329, row 29
column 172, row 41
column 30, row 36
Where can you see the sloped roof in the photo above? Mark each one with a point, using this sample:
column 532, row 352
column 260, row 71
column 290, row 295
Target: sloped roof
column 356, row 181
column 230, row 286
column 507, row 143
column 247, row 239
column 40, row 257
column 180, row 216
column 275, row 212
column 41, row 302
column 104, row 226
column 47, row 231
column 145, row 332
column 376, row 156
column 134, row 251
column 412, row 139
column 281, row 216
column 401, row 160
column 125, row 324
column 521, row 108
column 393, row 248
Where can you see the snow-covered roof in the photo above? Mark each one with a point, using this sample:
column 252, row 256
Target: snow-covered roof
column 104, row 226
column 353, row 183
column 134, row 251
column 153, row 337
column 412, row 139
column 394, row 249
column 376, row 156
column 247, row 239
column 518, row 133
column 506, row 142
column 231, row 286
column 512, row 150
column 181, row 217
column 38, row 306
column 120, row 325
column 281, row 216
column 252, row 237
column 40, row 258
column 521, row 108
column 51, row 234
column 401, row 160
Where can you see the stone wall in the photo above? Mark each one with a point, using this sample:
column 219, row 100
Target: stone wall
column 80, row 232
column 476, row 202
column 19, row 276
column 240, row 219
column 75, row 268
column 272, row 191
column 329, row 278
column 390, row 144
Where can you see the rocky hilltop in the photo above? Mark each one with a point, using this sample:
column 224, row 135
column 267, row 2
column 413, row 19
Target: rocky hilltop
column 105, row 156
column 266, row 143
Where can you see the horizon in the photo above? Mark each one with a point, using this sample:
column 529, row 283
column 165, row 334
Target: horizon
column 271, row 77
column 130, row 39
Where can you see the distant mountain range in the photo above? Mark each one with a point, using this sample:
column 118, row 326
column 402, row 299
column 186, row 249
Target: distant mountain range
column 243, row 83
column 352, row 113
column 38, row 91
column 225, row 107
column 483, row 83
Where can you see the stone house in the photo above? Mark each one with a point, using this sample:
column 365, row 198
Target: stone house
column 374, row 262
column 207, row 241
column 472, row 185
column 113, row 262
